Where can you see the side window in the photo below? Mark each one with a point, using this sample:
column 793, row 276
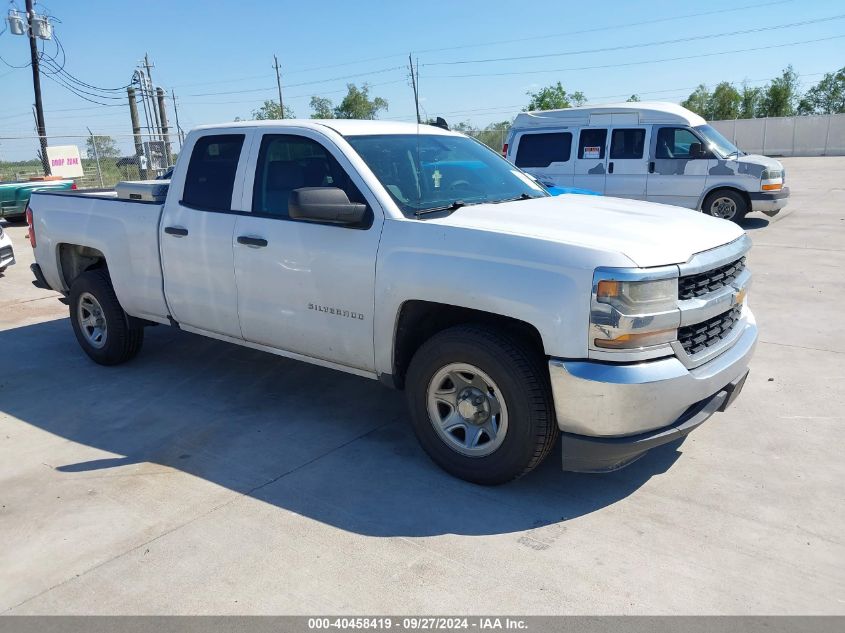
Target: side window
column 287, row 162
column 675, row 142
column 211, row 172
column 627, row 143
column 541, row 150
column 591, row 143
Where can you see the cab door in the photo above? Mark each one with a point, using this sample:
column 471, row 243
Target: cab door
column 305, row 287
column 679, row 167
column 195, row 236
column 546, row 155
column 627, row 165
column 590, row 167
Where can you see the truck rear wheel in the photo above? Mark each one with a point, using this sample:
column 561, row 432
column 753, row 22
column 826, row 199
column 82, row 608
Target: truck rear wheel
column 481, row 404
column 725, row 204
column 99, row 323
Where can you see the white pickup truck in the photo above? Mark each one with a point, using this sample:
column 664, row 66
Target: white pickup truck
column 418, row 257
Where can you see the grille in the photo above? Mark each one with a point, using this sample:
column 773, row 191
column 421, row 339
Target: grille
column 700, row 336
column 693, row 286
column 5, row 252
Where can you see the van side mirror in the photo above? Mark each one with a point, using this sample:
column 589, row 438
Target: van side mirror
column 325, row 204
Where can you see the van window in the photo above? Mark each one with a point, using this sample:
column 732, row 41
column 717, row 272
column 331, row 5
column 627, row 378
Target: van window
column 287, row 162
column 541, row 150
column 591, row 143
column 211, row 172
column 627, row 143
column 675, row 142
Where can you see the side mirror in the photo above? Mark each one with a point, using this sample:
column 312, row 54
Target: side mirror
column 325, row 204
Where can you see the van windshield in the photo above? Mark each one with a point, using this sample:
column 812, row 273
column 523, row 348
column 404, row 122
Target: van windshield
column 431, row 171
column 717, row 143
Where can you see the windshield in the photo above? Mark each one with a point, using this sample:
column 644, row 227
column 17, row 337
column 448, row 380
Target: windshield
column 429, row 171
column 717, row 143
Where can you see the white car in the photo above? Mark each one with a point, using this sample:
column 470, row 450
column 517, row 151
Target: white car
column 418, row 257
column 7, row 252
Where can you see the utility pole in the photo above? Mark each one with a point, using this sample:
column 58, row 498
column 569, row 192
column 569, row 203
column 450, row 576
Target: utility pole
column 414, row 79
column 36, row 84
column 147, row 65
column 176, row 112
column 168, row 155
column 136, row 131
column 279, row 85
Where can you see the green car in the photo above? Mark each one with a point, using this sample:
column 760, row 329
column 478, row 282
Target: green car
column 14, row 196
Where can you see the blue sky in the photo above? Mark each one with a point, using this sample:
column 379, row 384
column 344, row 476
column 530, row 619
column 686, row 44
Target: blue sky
column 217, row 56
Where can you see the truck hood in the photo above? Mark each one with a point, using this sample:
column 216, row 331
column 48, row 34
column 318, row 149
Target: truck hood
column 649, row 234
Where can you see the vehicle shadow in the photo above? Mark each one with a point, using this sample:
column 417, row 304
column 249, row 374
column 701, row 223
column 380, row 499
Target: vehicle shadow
column 323, row 444
column 751, row 224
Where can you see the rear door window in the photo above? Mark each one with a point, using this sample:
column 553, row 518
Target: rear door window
column 541, row 150
column 627, row 143
column 591, row 143
column 211, row 172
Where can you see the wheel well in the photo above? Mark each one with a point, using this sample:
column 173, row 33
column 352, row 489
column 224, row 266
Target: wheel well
column 75, row 260
column 742, row 193
column 420, row 320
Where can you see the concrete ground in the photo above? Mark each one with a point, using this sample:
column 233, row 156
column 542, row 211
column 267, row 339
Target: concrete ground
column 208, row 478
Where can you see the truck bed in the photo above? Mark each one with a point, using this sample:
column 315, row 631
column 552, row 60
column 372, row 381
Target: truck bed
column 125, row 231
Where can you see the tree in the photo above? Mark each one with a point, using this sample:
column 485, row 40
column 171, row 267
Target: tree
column 358, row 105
column 322, row 107
column 749, row 101
column 554, row 97
column 698, row 101
column 827, row 96
column 271, row 110
column 724, row 102
column 633, row 99
column 780, row 97
column 105, row 145
column 493, row 136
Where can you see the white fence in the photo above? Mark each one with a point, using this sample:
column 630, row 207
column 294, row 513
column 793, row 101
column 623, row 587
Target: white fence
column 822, row 135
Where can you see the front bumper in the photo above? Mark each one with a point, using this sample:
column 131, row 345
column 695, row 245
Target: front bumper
column 769, row 203
column 595, row 400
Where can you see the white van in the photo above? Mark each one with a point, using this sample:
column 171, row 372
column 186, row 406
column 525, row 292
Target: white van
column 647, row 151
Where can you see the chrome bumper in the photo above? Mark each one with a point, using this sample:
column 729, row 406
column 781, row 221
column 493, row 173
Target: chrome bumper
column 769, row 203
column 609, row 400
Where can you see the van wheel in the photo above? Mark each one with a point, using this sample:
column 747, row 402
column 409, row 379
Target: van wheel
column 725, row 204
column 99, row 323
column 481, row 404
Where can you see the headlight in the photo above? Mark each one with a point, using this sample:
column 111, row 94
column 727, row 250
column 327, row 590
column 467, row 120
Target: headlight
column 633, row 310
column 771, row 180
column 636, row 297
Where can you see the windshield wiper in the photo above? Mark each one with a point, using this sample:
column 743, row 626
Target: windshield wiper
column 454, row 206
column 522, row 196
column 738, row 152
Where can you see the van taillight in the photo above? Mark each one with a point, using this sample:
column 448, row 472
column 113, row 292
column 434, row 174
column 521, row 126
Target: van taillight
column 505, row 150
column 30, row 228
column 73, row 186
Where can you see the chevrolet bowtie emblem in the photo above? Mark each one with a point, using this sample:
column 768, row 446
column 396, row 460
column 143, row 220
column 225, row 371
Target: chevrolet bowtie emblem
column 739, row 297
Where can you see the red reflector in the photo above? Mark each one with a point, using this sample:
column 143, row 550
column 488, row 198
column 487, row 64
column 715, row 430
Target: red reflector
column 505, row 150
column 30, row 228
column 73, row 186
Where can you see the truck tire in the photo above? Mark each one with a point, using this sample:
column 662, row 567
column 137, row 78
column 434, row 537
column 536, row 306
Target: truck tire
column 481, row 404
column 99, row 323
column 726, row 204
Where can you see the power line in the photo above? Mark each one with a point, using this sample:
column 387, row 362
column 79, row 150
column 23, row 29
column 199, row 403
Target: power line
column 649, row 61
column 640, row 45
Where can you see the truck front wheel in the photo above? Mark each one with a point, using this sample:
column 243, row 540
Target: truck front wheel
column 481, row 404
column 726, row 204
column 99, row 323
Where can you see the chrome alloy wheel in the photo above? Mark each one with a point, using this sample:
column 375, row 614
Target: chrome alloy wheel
column 92, row 321
column 467, row 410
column 723, row 207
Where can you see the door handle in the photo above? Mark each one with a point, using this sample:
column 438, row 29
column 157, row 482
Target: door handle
column 651, row 167
column 610, row 168
column 252, row 241
column 178, row 231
